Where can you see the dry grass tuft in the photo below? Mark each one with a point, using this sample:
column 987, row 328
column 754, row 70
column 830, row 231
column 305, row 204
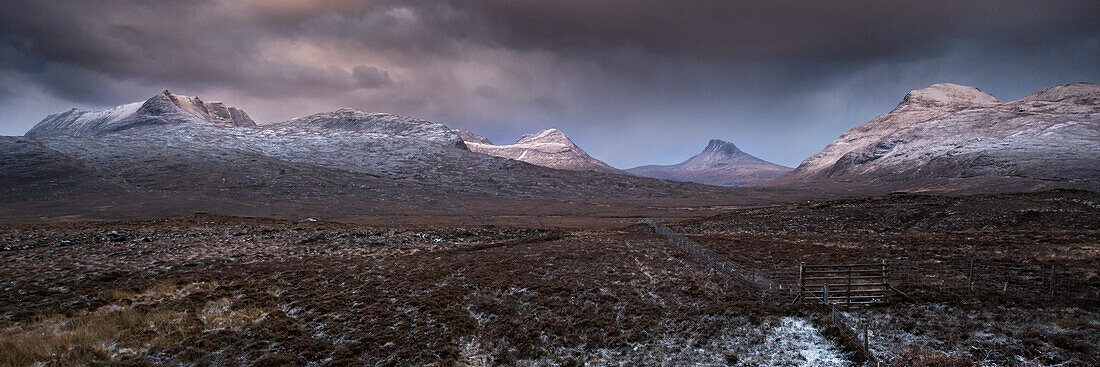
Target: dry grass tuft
column 219, row 315
column 111, row 331
column 70, row 341
column 159, row 292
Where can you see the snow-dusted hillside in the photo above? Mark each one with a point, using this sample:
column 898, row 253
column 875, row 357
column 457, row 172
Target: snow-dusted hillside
column 720, row 163
column 163, row 110
column 159, row 158
column 955, row 138
column 347, row 121
column 547, row 148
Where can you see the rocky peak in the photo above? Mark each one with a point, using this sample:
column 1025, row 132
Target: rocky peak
column 722, row 147
column 948, row 95
column 214, row 111
column 545, row 136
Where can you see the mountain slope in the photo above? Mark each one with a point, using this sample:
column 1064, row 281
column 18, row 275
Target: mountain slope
column 31, row 171
column 720, row 163
column 954, row 138
column 547, row 148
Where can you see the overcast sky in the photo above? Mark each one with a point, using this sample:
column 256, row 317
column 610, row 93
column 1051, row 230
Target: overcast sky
column 632, row 82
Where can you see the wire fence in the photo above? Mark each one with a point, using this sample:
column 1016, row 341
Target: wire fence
column 777, row 288
column 989, row 277
column 963, row 278
column 736, row 273
column 972, row 277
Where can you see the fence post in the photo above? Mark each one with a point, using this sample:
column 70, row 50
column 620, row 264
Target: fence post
column 801, row 281
column 825, row 294
column 1050, row 283
column 866, row 344
column 970, row 275
column 849, row 294
column 885, row 273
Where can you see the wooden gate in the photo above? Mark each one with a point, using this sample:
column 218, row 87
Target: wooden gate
column 845, row 285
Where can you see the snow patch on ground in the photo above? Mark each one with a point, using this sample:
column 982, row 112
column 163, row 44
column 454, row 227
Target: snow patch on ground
column 794, row 341
column 109, row 116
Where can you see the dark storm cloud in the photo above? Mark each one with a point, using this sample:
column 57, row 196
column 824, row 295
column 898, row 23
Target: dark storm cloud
column 780, row 77
column 370, row 77
column 784, row 29
column 179, row 43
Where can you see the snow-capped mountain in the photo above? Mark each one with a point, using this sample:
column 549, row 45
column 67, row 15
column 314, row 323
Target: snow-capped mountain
column 164, row 109
column 547, row 148
column 720, row 163
column 955, row 138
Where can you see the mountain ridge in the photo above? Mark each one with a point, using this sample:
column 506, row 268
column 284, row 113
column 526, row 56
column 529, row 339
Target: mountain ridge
column 156, row 157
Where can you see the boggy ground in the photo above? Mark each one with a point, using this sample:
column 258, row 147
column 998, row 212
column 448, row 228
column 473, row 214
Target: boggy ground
column 212, row 290
column 1009, row 279
column 217, row 290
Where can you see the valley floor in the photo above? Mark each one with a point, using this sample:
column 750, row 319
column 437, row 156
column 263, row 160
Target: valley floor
column 219, row 290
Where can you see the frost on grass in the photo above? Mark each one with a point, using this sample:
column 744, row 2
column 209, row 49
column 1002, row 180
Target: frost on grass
column 792, row 341
column 1051, row 335
column 775, row 341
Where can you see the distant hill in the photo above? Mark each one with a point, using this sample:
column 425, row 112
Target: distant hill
column 720, row 163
